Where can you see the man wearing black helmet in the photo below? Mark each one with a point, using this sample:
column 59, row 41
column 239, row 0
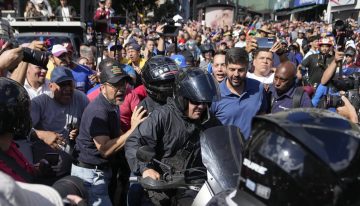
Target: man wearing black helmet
column 15, row 122
column 173, row 129
column 158, row 76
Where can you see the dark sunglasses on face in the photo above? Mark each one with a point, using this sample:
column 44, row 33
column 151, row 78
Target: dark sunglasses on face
column 65, row 83
column 198, row 103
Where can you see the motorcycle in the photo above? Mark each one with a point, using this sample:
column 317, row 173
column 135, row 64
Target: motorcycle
column 221, row 149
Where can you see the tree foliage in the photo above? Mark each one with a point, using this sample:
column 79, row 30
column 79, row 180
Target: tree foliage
column 167, row 10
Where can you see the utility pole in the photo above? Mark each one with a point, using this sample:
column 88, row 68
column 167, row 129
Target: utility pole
column 236, row 11
column 194, row 10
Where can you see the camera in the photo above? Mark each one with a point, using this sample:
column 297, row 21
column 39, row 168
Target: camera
column 342, row 32
column 36, row 57
column 170, row 29
column 350, row 85
column 39, row 58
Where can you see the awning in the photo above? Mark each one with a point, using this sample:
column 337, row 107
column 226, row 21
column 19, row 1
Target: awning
column 297, row 10
column 283, row 13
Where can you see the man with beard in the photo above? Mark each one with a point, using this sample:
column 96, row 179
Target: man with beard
column 241, row 97
column 174, row 129
column 56, row 117
column 35, row 81
column 285, row 95
column 218, row 67
column 317, row 63
column 100, row 136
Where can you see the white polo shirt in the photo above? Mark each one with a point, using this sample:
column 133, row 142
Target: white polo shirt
column 43, row 89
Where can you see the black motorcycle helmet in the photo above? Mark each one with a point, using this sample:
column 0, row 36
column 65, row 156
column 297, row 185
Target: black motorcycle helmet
column 14, row 108
column 196, row 85
column 302, row 157
column 158, row 76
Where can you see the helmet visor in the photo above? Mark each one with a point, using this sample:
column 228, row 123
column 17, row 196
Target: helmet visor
column 200, row 88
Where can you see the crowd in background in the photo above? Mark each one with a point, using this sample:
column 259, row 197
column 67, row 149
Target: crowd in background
column 265, row 78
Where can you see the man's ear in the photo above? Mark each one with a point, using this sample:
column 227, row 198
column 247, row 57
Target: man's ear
column 102, row 87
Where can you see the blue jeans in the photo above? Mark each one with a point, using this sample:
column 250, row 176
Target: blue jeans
column 96, row 182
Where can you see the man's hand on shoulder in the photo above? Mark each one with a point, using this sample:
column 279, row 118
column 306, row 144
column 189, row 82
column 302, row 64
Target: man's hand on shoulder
column 138, row 116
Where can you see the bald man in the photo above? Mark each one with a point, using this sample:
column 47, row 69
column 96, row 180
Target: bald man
column 284, row 93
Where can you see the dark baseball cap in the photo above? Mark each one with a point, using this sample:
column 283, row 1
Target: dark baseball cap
column 134, row 46
column 61, row 74
column 112, row 72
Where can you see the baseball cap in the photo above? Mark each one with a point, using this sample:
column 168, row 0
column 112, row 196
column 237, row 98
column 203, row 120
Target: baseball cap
column 350, row 51
column 181, row 41
column 112, row 72
column 58, row 50
column 134, row 46
column 61, row 74
column 112, row 46
column 101, row 0
column 19, row 193
column 179, row 59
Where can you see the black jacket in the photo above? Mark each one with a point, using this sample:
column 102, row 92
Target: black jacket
column 149, row 104
column 169, row 132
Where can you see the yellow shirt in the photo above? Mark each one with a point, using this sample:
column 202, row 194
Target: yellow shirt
column 141, row 63
column 50, row 67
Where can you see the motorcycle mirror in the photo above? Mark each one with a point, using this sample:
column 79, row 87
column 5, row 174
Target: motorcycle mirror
column 145, row 154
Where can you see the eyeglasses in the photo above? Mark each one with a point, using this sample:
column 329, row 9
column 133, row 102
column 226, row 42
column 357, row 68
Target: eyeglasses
column 65, row 83
column 118, row 86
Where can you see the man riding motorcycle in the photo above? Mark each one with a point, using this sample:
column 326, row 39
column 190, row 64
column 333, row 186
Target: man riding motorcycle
column 173, row 130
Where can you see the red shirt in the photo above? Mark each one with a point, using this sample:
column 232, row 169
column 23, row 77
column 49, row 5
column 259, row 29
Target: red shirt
column 15, row 153
column 101, row 14
column 131, row 100
column 140, row 91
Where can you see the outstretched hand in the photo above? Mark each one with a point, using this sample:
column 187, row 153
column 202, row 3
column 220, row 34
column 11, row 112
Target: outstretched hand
column 138, row 116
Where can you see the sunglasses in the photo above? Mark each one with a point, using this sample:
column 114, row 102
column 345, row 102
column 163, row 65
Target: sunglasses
column 198, row 103
column 65, row 83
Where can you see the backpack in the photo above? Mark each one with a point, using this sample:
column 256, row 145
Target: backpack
column 296, row 100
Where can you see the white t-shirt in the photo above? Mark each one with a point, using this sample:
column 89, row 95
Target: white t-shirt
column 240, row 44
column 43, row 89
column 265, row 80
column 65, row 13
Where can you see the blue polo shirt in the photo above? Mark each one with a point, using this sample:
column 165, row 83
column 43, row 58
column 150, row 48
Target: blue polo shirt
column 100, row 118
column 81, row 75
column 236, row 110
column 285, row 101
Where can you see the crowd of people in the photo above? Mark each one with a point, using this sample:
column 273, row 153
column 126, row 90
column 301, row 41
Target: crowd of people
column 41, row 10
column 77, row 124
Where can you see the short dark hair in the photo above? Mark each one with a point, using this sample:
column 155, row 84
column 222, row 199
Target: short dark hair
column 257, row 51
column 236, row 56
column 220, row 52
column 313, row 38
